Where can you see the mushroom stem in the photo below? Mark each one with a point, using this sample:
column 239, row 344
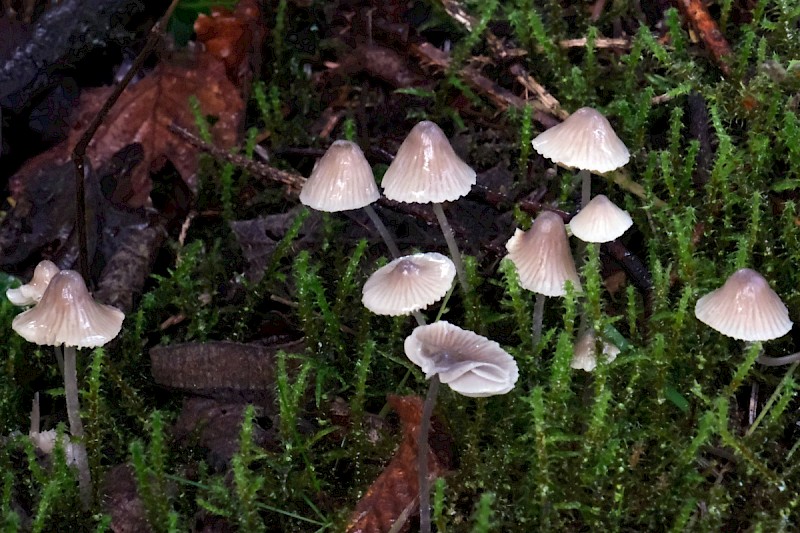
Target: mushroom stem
column 455, row 254
column 75, row 424
column 422, row 457
column 778, row 361
column 59, row 359
column 538, row 318
column 387, row 237
column 586, row 187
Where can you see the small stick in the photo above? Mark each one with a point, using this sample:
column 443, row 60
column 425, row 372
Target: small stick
column 79, row 151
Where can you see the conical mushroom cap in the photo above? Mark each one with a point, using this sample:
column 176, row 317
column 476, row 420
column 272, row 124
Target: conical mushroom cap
column 542, row 256
column 68, row 315
column 745, row 308
column 600, row 221
column 470, row 364
column 426, row 169
column 584, row 355
column 408, row 284
column 585, row 140
column 31, row 292
column 341, row 180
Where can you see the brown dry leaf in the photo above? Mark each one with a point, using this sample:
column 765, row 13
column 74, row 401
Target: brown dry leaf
column 397, row 487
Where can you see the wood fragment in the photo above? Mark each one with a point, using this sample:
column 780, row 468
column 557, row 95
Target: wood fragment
column 551, row 105
column 600, row 42
column 704, row 25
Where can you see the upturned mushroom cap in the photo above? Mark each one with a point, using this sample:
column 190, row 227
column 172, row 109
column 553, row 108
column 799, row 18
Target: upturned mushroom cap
column 470, row 364
column 68, row 315
column 585, row 140
column 341, row 180
column 426, row 169
column 31, row 292
column 542, row 256
column 745, row 308
column 584, row 355
column 408, row 284
column 600, row 221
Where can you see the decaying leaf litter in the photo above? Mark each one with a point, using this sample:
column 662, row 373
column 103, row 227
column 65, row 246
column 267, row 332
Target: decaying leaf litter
column 243, row 330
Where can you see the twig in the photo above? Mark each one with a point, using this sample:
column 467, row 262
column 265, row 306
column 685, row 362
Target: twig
column 600, row 42
column 547, row 100
column 293, row 181
column 700, row 20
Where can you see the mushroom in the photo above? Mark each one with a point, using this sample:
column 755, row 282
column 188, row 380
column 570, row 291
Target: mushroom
column 427, row 170
column 586, row 141
column 408, row 284
column 67, row 315
column 342, row 180
column 584, row 355
column 544, row 263
column 31, row 292
column 745, row 308
column 600, row 221
column 470, row 364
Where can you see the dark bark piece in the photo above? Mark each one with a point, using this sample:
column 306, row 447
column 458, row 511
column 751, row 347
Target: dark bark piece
column 121, row 500
column 63, row 35
column 219, row 369
column 216, row 426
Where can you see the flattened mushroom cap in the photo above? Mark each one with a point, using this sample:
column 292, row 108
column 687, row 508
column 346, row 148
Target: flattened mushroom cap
column 585, row 140
column 341, row 180
column 469, row 363
column 584, row 354
column 745, row 308
column 600, row 221
column 408, row 284
column 542, row 256
column 426, row 169
column 68, row 315
column 31, row 292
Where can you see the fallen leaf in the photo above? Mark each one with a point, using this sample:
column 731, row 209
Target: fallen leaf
column 397, row 488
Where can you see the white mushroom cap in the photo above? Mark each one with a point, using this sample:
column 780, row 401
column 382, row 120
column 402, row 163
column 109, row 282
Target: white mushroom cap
column 408, row 284
column 45, row 442
column 585, row 140
column 745, row 308
column 426, row 169
column 68, row 315
column 31, row 292
column 600, row 221
column 542, row 256
column 584, row 355
column 342, row 179
column 470, row 364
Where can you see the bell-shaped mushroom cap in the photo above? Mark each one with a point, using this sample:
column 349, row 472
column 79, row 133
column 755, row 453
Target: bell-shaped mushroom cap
column 31, row 292
column 342, row 179
column 584, row 354
column 470, row 364
column 542, row 256
column 408, row 284
column 600, row 221
column 426, row 169
column 745, row 308
column 68, row 315
column 585, row 140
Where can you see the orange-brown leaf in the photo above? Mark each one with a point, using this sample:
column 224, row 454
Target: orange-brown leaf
column 397, row 487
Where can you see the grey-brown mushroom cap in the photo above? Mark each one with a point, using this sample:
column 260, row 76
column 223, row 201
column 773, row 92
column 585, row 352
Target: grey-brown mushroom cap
column 543, row 257
column 585, row 140
column 745, row 308
column 31, row 292
column 408, row 284
column 468, row 363
column 600, row 221
column 68, row 315
column 584, row 354
column 426, row 169
column 341, row 180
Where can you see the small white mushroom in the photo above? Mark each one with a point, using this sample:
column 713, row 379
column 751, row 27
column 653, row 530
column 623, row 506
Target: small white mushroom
column 600, row 221
column 469, row 363
column 31, row 292
column 745, row 308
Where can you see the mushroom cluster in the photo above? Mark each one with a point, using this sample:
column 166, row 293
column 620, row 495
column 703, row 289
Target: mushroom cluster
column 67, row 315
